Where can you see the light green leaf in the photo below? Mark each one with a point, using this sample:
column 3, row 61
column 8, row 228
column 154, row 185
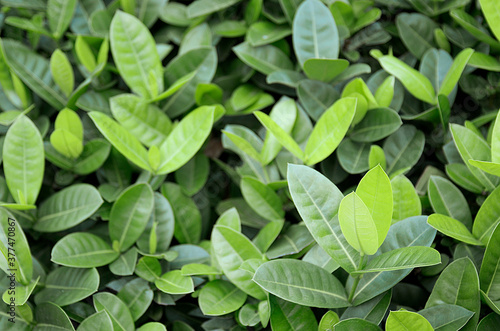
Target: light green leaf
column 492, row 14
column 487, row 217
column 262, row 199
column 186, row 139
column 116, row 309
column 67, row 208
column 65, row 286
column 385, row 92
column 453, row 228
column 376, row 157
column 317, row 200
column 59, row 14
column 62, row 72
column 455, row 71
column 357, row 224
column 416, row 83
column 83, row 250
column 323, row 140
column 281, row 135
column 488, row 167
column 204, row 7
column 406, row 320
column 375, row 191
column 220, row 297
column 50, row 316
column 243, row 145
column 146, row 122
column 23, row 160
column 66, row 143
column 315, row 34
column 135, row 55
column 263, row 33
column 324, row 69
column 231, row 250
column 471, row 146
column 85, row 54
column 130, row 214
column 121, row 139
column 173, row 282
column 302, row 283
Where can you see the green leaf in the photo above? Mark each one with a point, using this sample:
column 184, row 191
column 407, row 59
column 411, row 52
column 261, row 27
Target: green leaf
column 373, row 310
column 453, row 228
column 204, row 7
column 287, row 316
column 220, row 297
column 317, row 201
column 324, row 69
column 50, row 316
column 267, row 235
column 416, row 83
column 62, row 72
column 377, row 124
column 376, row 157
column 357, row 224
column 83, row 250
column 416, row 32
column 85, row 54
column 458, row 284
column 403, row 148
column 492, row 15
column 34, row 71
column 455, row 71
column 23, row 160
column 375, row 191
column 130, row 214
column 231, row 250
column 292, row 241
column 447, row 199
column 447, row 317
column 157, row 326
column 316, row 96
column 263, row 33
column 146, row 122
column 125, row 263
column 137, row 295
column 186, row 139
column 196, row 269
column 135, row 55
column 413, row 231
column 243, row 145
column 116, row 309
column 173, row 282
column 476, row 29
column 281, row 135
column 21, row 293
column 407, row 320
column 461, row 175
column 13, row 241
column 353, row 157
column 402, row 258
column 302, row 283
column 262, row 199
column 488, row 167
column 323, row 140
column 265, row 59
column 59, row 14
column 187, row 216
column 65, row 286
column 315, row 34
column 194, row 174
column 148, row 268
column 487, row 217
column 99, row 321
column 67, row 208
column 471, row 146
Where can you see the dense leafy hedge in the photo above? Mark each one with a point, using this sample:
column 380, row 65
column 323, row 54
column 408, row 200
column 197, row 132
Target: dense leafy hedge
column 225, row 165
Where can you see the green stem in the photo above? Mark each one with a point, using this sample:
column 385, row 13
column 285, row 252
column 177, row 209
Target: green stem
column 356, row 279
